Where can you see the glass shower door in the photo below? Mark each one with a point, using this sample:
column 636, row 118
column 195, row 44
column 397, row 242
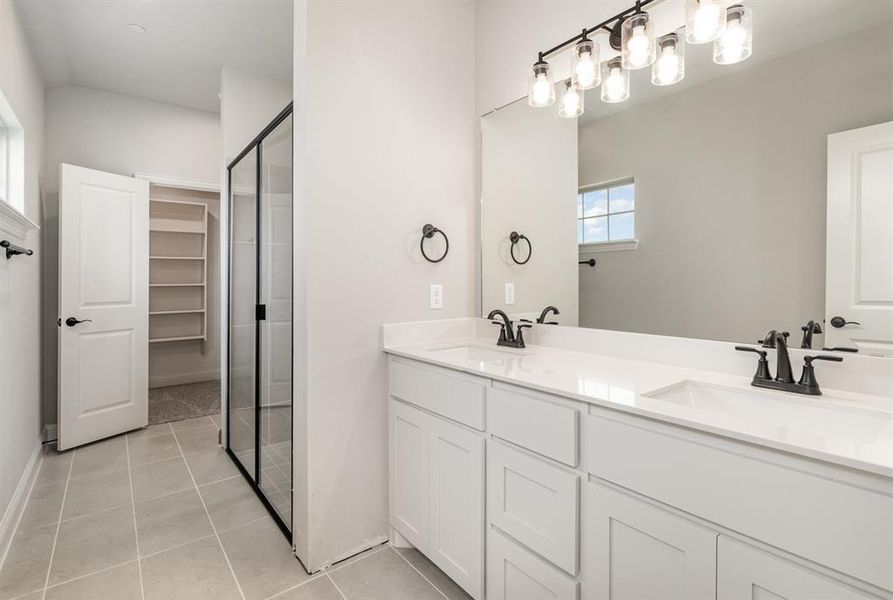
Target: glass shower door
column 242, row 319
column 259, row 413
column 275, row 402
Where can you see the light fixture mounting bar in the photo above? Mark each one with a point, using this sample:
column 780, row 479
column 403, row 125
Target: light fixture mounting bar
column 638, row 6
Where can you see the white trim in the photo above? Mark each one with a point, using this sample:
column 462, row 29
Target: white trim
column 177, row 182
column 196, row 377
column 13, row 224
column 13, row 513
column 49, row 432
column 613, row 246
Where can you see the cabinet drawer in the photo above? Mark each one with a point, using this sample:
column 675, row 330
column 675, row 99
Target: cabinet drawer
column 547, row 428
column 534, row 502
column 458, row 397
column 806, row 512
column 513, row 573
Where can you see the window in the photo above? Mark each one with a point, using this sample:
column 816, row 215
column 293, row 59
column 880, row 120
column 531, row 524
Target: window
column 12, row 158
column 606, row 213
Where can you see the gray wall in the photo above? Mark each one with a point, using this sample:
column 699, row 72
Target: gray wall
column 731, row 193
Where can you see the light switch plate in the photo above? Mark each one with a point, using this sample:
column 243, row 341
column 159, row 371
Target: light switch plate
column 510, row 293
column 436, row 296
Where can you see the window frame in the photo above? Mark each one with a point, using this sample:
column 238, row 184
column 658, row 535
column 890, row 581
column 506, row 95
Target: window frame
column 609, row 244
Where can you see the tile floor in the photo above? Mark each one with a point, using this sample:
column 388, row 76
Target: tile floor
column 162, row 514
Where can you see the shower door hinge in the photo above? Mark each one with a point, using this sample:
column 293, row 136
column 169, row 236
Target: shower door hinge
column 260, row 312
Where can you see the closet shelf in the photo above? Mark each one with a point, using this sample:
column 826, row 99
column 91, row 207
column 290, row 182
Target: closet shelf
column 177, row 339
column 151, row 285
column 195, row 311
column 176, row 258
column 171, row 230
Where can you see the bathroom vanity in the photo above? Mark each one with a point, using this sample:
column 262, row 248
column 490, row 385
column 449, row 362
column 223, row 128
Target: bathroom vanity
column 558, row 472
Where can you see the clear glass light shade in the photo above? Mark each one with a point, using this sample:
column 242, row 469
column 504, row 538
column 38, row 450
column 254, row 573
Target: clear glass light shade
column 736, row 41
column 615, row 81
column 669, row 68
column 540, row 90
column 704, row 20
column 584, row 64
column 571, row 104
column 637, row 41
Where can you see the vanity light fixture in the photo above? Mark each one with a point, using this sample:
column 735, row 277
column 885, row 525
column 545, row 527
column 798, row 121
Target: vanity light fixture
column 631, row 33
column 669, row 68
column 584, row 64
column 704, row 21
column 541, row 91
column 735, row 43
column 571, row 105
column 615, row 81
column 637, row 41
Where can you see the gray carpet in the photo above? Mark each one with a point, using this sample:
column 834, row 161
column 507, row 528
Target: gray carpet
column 181, row 402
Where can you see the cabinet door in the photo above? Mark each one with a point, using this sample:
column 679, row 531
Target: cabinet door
column 642, row 552
column 409, row 446
column 535, row 502
column 745, row 573
column 456, row 534
column 514, row 573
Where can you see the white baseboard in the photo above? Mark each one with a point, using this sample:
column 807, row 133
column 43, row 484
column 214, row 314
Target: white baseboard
column 13, row 512
column 50, row 432
column 166, row 380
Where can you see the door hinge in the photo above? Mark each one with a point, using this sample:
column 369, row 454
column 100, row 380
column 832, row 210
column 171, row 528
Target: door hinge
column 260, row 312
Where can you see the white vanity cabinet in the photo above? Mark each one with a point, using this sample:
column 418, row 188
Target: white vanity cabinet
column 746, row 573
column 639, row 550
column 437, row 481
column 585, row 502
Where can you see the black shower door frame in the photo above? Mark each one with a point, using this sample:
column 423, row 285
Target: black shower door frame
column 254, row 481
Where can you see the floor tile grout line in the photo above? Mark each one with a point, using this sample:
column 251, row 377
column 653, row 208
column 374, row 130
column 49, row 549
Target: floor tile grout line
column 208, row 514
column 90, row 574
column 136, row 534
column 400, row 554
column 311, row 579
column 329, row 575
column 177, row 546
column 46, row 581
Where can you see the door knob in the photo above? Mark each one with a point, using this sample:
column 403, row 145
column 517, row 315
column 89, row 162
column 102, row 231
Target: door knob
column 839, row 322
column 71, row 321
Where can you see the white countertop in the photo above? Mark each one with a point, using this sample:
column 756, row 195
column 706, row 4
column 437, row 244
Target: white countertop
column 854, row 430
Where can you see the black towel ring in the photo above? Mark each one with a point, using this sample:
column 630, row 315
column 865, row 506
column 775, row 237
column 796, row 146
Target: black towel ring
column 428, row 232
column 516, row 237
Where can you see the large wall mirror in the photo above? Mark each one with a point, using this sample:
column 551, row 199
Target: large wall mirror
column 744, row 198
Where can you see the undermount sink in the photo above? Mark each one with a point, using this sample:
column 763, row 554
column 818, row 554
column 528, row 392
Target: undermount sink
column 810, row 416
column 480, row 354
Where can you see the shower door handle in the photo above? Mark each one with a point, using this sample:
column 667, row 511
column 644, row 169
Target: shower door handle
column 260, row 312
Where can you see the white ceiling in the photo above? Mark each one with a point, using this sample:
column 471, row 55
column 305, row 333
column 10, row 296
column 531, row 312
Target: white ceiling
column 178, row 58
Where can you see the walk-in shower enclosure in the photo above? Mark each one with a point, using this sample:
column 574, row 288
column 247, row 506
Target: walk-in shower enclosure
column 259, row 326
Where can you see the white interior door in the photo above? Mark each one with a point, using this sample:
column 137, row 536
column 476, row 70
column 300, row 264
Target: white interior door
column 859, row 278
column 104, row 284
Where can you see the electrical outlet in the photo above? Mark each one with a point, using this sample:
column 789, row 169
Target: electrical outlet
column 436, row 296
column 510, row 293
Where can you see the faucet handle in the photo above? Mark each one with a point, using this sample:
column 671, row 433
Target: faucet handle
column 762, row 373
column 809, row 359
column 807, row 378
column 501, row 329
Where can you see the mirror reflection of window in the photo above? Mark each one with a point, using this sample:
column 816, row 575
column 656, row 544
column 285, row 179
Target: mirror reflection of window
column 606, row 212
column 4, row 162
